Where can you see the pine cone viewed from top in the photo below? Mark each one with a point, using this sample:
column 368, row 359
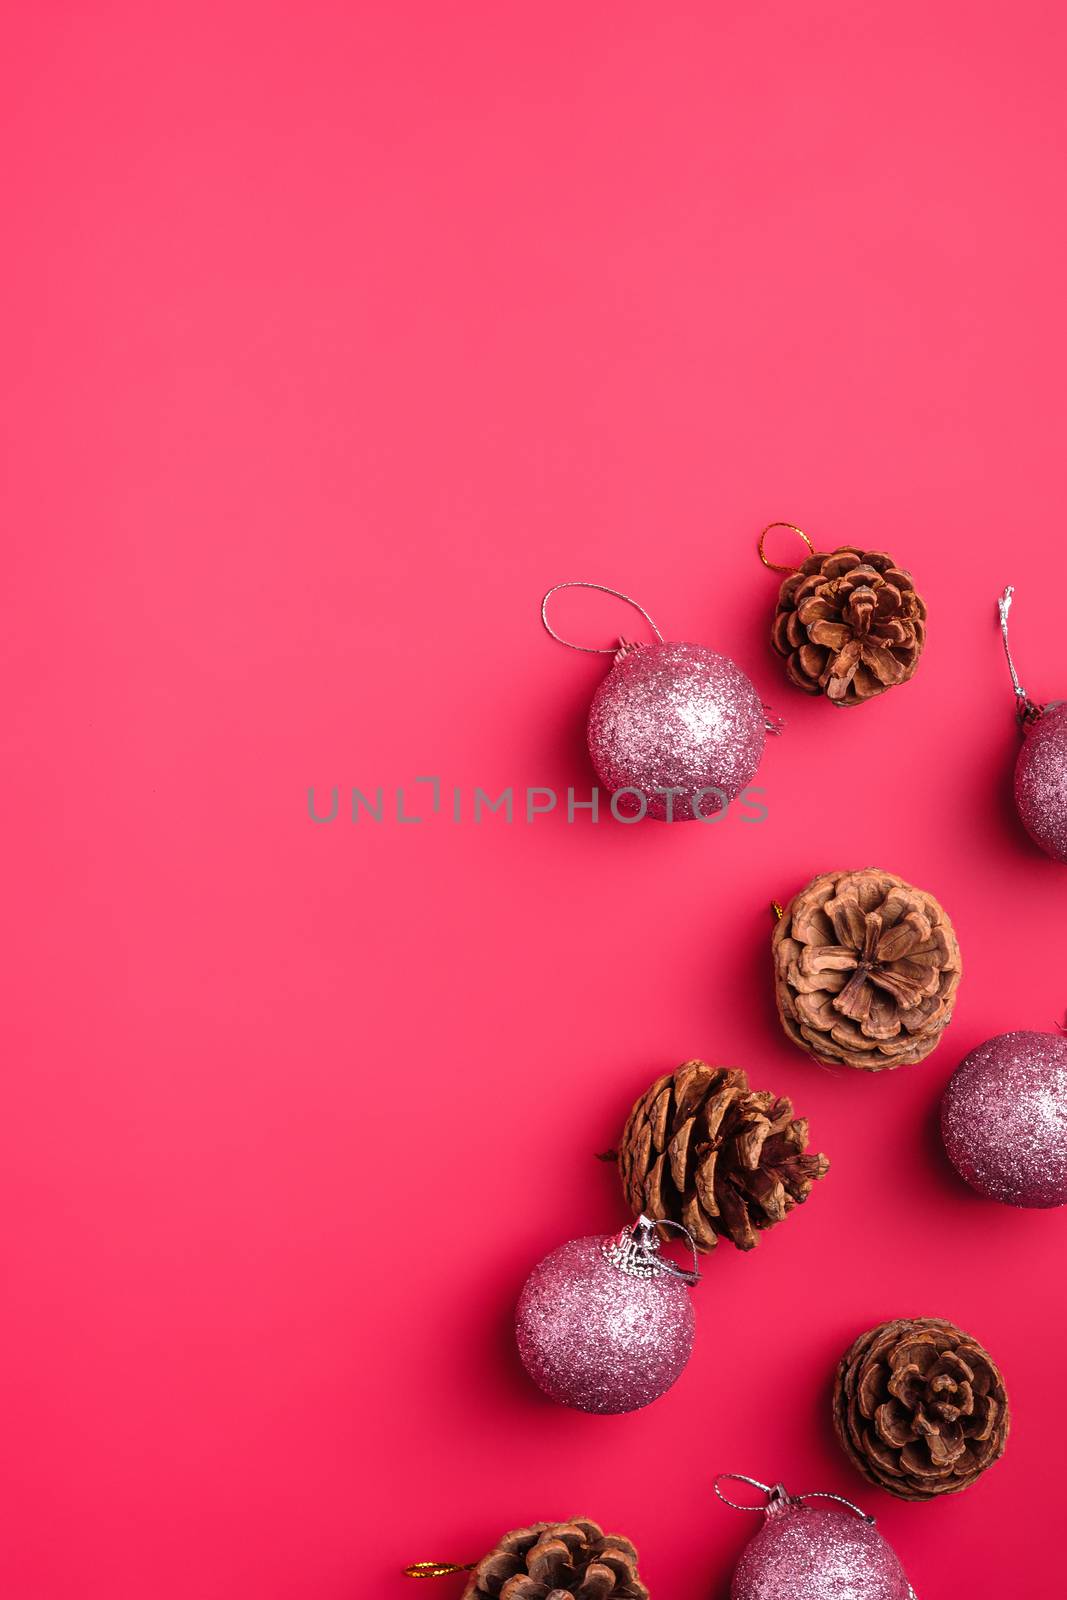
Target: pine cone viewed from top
column 866, row 970
column 920, row 1408
column 553, row 1560
column 703, row 1149
column 850, row 625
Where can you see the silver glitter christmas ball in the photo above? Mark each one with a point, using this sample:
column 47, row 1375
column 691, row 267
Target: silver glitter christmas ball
column 1041, row 781
column 596, row 1337
column 675, row 717
column 812, row 1552
column 1004, row 1119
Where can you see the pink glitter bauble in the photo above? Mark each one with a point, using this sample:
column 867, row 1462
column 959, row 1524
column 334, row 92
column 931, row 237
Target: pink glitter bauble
column 811, row 1552
column 675, row 717
column 1041, row 781
column 595, row 1337
column 1004, row 1119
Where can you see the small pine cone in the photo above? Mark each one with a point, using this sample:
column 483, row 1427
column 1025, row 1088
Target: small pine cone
column 850, row 625
column 866, row 970
column 703, row 1149
column 920, row 1408
column 553, row 1560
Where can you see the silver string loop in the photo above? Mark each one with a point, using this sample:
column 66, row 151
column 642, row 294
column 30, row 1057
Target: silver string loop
column 778, row 1497
column 665, row 1263
column 1027, row 710
column 1003, row 607
column 739, row 1477
column 821, row 1494
column 592, row 649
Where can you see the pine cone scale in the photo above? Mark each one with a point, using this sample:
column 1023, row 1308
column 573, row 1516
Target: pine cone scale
column 598, row 1582
column 654, row 1188
column 660, row 1113
column 696, row 1219
column 521, row 1587
column 678, row 1153
column 704, row 1184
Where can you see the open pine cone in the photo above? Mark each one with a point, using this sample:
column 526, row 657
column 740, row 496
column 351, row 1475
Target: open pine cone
column 703, row 1149
column 553, row 1560
column 920, row 1408
column 850, row 625
column 866, row 970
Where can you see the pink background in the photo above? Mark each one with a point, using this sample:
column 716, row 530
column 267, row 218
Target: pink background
column 333, row 334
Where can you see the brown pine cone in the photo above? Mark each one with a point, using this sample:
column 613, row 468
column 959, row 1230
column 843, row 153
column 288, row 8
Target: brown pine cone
column 553, row 1560
column 866, row 970
column 920, row 1408
column 703, row 1149
column 850, row 625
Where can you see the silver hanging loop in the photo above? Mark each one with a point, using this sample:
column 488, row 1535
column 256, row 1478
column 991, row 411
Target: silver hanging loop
column 778, row 1498
column 739, row 1477
column 821, row 1494
column 593, row 649
column 1027, row 710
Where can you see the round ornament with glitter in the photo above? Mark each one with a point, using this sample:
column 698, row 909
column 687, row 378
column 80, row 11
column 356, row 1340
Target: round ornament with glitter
column 606, row 1323
column 1004, row 1119
column 675, row 731
column 1041, row 765
column 814, row 1551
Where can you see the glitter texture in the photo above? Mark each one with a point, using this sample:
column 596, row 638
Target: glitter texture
column 597, row 1338
column 1041, row 781
column 807, row 1552
column 1004, row 1119
column 676, row 716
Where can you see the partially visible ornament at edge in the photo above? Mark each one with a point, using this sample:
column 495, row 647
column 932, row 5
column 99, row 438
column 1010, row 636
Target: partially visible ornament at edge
column 1041, row 765
column 1004, row 1118
column 803, row 1551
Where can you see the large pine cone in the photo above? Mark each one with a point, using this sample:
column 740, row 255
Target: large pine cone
column 866, row 970
column 703, row 1149
column 920, row 1408
column 850, row 625
column 553, row 1560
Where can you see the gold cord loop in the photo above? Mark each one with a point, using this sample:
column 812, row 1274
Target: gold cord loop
column 438, row 1569
column 774, row 565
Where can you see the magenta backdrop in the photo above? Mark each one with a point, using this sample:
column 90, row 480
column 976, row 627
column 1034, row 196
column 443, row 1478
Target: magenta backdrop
column 333, row 334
